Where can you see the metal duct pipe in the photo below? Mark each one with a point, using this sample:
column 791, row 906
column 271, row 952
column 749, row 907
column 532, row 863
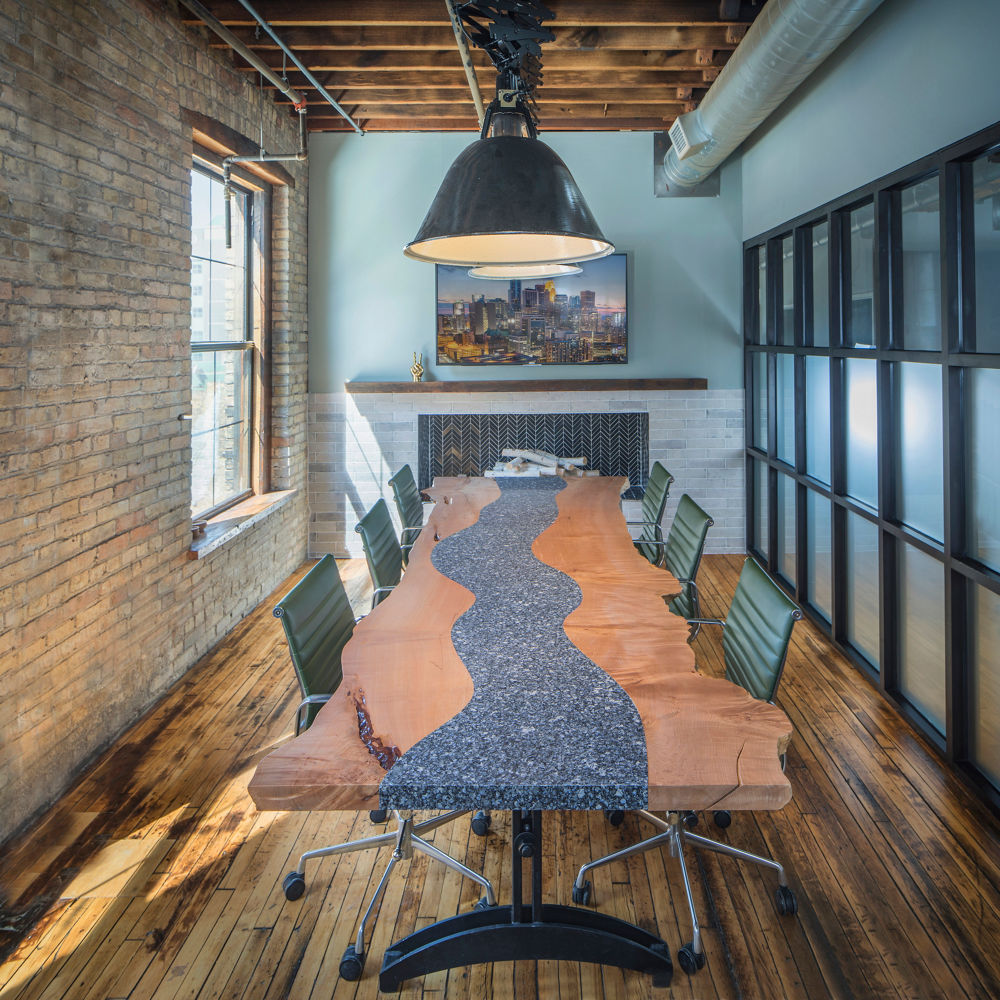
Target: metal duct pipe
column 463, row 51
column 302, row 69
column 789, row 39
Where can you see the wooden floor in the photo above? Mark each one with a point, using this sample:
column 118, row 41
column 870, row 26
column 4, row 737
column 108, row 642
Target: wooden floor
column 156, row 877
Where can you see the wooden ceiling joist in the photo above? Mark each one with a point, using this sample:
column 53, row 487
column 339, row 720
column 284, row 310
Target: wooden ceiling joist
column 611, row 65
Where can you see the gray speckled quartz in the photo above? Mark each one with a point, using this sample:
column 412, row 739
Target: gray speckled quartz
column 546, row 727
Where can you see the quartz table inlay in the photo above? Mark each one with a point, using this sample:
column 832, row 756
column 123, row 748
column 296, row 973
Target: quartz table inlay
column 546, row 728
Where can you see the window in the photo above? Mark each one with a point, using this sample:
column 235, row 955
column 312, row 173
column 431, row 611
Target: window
column 226, row 342
column 884, row 328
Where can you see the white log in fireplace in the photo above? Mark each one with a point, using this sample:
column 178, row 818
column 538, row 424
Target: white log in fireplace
column 359, row 438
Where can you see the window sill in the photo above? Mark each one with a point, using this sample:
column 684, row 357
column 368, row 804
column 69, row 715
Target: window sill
column 226, row 526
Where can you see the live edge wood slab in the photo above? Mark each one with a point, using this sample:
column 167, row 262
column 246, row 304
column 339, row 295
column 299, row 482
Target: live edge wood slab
column 708, row 743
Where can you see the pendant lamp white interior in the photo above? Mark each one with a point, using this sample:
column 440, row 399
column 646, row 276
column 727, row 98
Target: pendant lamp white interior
column 503, row 272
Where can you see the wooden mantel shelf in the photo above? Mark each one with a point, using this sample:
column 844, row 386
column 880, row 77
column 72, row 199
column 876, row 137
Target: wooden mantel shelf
column 530, row 385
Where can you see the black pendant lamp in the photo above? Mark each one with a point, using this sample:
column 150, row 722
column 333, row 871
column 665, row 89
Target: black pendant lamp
column 508, row 199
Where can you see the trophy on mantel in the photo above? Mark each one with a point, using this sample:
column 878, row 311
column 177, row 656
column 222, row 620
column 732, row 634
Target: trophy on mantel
column 417, row 368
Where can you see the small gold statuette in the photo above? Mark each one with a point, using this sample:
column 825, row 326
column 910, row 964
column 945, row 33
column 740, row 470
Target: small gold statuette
column 417, row 368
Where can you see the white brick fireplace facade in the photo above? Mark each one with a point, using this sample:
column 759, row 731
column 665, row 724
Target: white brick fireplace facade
column 358, row 440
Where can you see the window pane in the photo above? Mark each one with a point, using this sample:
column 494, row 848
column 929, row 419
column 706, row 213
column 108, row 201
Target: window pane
column 919, row 457
column 787, row 291
column 219, row 428
column 983, row 462
column 986, row 209
column 759, row 429
column 862, row 586
column 860, row 319
column 921, row 266
column 821, row 285
column 785, row 414
column 818, row 418
column 786, row 528
column 921, row 633
column 985, row 684
column 762, row 295
column 760, row 507
column 862, row 431
column 819, row 553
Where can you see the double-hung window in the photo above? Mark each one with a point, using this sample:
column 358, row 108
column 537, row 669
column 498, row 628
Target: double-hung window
column 225, row 361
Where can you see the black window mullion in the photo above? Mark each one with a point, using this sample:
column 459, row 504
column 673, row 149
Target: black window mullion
column 888, row 289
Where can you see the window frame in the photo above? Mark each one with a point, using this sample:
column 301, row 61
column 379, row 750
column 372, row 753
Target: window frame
column 257, row 310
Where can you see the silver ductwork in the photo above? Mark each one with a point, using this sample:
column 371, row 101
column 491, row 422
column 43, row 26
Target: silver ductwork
column 786, row 42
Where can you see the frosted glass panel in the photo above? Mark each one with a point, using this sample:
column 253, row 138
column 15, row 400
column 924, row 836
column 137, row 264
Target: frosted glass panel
column 787, row 292
column 759, row 429
column 821, row 285
column 862, row 431
column 985, row 684
column 762, row 295
column 785, row 414
column 819, row 559
column 862, row 586
column 921, row 628
column 860, row 318
column 921, row 265
column 919, row 457
column 984, row 464
column 760, row 507
column 786, row 528
column 986, row 222
column 818, row 418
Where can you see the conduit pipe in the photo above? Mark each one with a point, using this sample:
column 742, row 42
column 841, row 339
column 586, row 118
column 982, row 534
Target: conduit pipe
column 463, row 51
column 786, row 42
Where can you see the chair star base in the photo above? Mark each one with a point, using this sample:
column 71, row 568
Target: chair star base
column 532, row 931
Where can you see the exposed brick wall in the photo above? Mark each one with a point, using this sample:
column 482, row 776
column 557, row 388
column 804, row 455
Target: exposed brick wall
column 101, row 607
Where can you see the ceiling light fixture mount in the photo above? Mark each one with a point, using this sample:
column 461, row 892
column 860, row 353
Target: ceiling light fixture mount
column 509, row 198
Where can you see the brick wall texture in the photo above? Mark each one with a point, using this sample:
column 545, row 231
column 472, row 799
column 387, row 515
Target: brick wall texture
column 100, row 607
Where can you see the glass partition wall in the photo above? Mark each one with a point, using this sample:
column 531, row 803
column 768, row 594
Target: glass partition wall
column 872, row 366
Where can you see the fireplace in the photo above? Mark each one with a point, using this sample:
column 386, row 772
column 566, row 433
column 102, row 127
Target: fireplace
column 459, row 444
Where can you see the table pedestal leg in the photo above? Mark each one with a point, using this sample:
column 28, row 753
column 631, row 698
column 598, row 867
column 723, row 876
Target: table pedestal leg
column 531, row 931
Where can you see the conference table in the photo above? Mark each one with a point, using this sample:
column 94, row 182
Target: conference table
column 528, row 662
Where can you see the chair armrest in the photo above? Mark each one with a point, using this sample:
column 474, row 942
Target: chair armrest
column 706, row 621
column 404, row 530
column 648, row 524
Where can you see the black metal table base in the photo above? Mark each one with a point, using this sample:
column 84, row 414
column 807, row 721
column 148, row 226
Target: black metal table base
column 526, row 932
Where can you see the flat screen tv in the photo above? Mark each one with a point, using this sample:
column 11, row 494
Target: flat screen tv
column 577, row 320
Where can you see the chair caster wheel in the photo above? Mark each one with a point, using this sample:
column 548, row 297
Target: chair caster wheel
column 294, row 885
column 352, row 964
column 786, row 902
column 481, row 822
column 581, row 894
column 483, row 904
column 722, row 818
column 378, row 815
column 615, row 816
column 690, row 819
column 690, row 960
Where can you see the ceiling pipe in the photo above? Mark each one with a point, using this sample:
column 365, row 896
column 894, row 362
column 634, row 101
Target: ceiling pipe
column 463, row 51
column 786, row 42
column 302, row 68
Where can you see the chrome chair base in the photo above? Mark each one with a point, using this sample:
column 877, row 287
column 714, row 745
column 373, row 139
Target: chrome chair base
column 674, row 835
column 405, row 840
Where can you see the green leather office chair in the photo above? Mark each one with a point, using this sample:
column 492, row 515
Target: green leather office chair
column 682, row 556
column 318, row 622
column 385, row 557
column 654, row 498
column 754, row 642
column 409, row 507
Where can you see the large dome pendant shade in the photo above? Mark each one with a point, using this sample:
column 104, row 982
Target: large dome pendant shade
column 508, row 200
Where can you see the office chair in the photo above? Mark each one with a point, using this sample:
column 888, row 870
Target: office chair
column 654, row 499
column 755, row 640
column 318, row 621
column 385, row 557
column 682, row 556
column 409, row 507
